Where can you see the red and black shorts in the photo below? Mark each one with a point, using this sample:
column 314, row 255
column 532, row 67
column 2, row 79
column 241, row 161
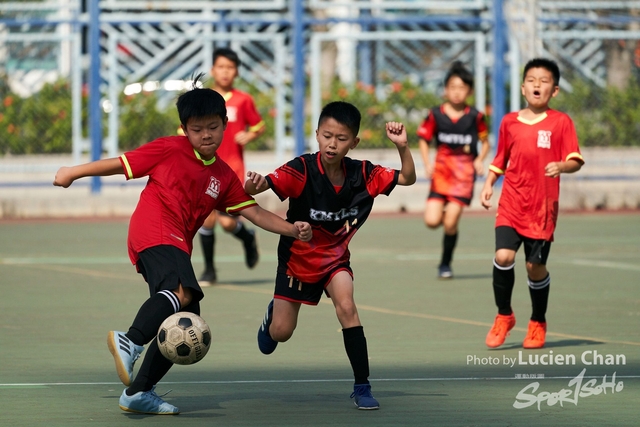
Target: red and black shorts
column 464, row 201
column 164, row 267
column 535, row 251
column 291, row 289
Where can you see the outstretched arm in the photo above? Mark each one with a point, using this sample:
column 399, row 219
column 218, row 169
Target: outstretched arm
column 256, row 183
column 397, row 133
column 271, row 222
column 104, row 167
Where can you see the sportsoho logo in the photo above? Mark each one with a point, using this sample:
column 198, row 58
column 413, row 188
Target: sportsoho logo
column 529, row 395
column 577, row 388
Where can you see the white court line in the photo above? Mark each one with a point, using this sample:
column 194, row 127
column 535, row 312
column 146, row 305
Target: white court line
column 316, row 381
column 605, row 264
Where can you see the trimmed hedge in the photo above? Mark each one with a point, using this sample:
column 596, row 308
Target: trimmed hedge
column 42, row 123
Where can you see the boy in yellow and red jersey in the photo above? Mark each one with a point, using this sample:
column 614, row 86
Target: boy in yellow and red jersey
column 244, row 125
column 535, row 145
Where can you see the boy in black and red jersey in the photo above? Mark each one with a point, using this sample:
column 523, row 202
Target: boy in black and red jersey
column 535, row 145
column 335, row 195
column 186, row 182
column 456, row 128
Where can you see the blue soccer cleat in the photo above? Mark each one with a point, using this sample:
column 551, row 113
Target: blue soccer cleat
column 266, row 344
column 445, row 272
column 146, row 402
column 125, row 353
column 363, row 398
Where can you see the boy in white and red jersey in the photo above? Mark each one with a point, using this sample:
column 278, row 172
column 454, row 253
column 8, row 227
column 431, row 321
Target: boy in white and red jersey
column 535, row 146
column 244, row 125
column 335, row 195
column 456, row 129
column 186, row 182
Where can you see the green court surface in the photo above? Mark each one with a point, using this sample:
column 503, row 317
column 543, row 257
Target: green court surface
column 65, row 284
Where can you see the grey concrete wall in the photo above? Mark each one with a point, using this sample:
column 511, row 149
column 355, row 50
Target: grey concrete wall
column 610, row 179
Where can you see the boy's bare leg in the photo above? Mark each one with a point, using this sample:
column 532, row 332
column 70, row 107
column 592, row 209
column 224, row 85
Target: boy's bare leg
column 285, row 319
column 278, row 325
column 433, row 213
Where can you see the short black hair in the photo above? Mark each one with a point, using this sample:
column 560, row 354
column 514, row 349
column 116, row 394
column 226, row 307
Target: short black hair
column 458, row 69
column 200, row 102
column 344, row 113
column 225, row 52
column 545, row 63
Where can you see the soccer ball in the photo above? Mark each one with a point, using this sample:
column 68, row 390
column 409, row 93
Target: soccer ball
column 184, row 338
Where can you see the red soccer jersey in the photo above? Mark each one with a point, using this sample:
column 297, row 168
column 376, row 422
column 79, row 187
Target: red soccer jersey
column 529, row 199
column 457, row 147
column 181, row 192
column 334, row 213
column 243, row 115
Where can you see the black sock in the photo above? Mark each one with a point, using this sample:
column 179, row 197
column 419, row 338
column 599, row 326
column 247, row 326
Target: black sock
column 153, row 368
column 356, row 345
column 539, row 292
column 208, row 242
column 503, row 280
column 155, row 365
column 448, row 245
column 151, row 315
column 242, row 233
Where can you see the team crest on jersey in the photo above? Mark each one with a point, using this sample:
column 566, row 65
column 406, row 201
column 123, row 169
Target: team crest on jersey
column 544, row 139
column 232, row 114
column 213, row 189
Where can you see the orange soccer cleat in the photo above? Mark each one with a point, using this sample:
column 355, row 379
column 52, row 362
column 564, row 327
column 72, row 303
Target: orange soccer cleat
column 500, row 329
column 535, row 335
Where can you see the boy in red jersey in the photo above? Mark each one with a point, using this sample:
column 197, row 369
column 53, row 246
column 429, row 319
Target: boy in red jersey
column 535, row 145
column 456, row 128
column 186, row 182
column 335, row 195
column 244, row 125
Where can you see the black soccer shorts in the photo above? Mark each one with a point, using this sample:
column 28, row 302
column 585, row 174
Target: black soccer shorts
column 164, row 267
column 535, row 251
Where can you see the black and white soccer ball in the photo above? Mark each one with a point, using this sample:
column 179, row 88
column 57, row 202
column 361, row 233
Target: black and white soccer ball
column 184, row 338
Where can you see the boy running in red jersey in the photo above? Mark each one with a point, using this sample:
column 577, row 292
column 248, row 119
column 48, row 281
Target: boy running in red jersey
column 456, row 128
column 335, row 194
column 186, row 182
column 244, row 125
column 535, row 145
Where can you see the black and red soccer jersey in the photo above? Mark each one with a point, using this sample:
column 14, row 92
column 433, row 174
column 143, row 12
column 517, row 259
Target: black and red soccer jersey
column 457, row 148
column 334, row 214
column 529, row 199
column 181, row 192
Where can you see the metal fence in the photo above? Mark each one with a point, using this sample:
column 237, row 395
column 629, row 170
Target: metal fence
column 100, row 76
